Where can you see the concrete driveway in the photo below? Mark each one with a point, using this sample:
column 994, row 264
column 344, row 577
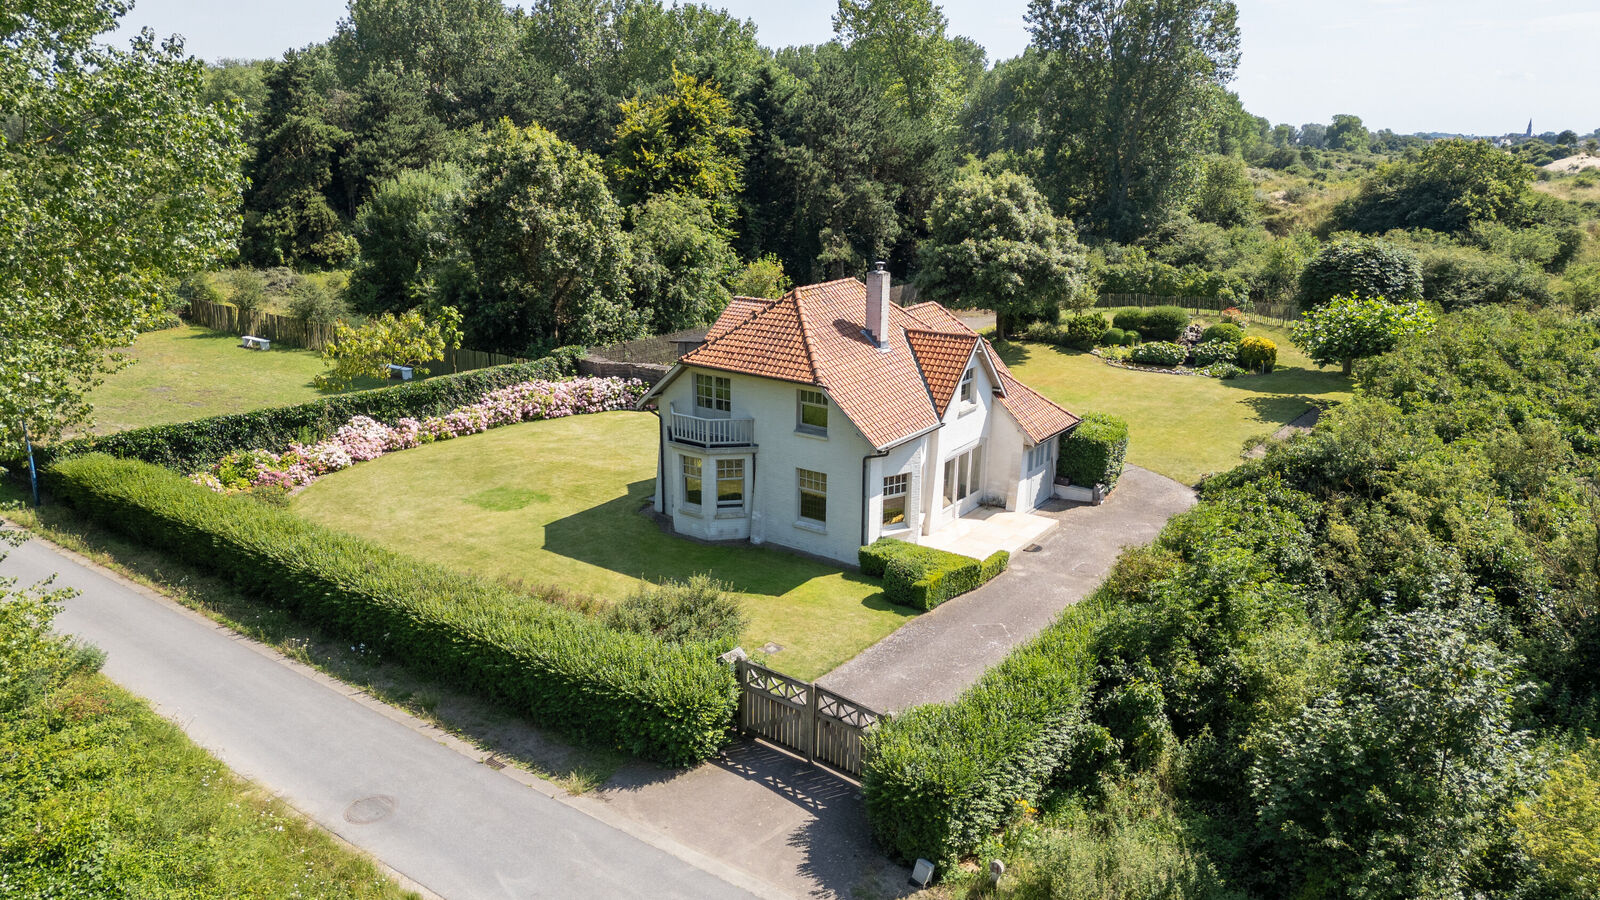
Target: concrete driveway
column 935, row 656
column 424, row 804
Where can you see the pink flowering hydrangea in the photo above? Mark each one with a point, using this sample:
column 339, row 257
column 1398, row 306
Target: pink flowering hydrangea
column 363, row 438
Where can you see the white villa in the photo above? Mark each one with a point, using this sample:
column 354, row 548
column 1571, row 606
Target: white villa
column 831, row 417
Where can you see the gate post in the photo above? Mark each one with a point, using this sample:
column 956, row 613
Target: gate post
column 739, row 673
column 811, row 726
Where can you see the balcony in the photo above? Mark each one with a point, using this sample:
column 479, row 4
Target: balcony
column 712, row 433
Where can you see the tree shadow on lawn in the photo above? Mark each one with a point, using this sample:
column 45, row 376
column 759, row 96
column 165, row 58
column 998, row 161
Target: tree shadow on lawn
column 617, row 535
column 1306, row 382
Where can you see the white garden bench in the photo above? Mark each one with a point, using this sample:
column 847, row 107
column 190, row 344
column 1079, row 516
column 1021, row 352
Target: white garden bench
column 251, row 342
column 401, row 372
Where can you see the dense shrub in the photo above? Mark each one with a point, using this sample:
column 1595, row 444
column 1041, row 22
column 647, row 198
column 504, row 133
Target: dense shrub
column 700, row 610
column 1129, row 319
column 1113, row 337
column 671, row 704
column 1159, row 353
column 1164, row 323
column 1223, row 369
column 1214, row 351
column 190, row 446
column 1083, row 331
column 1257, row 354
column 1093, row 452
column 1455, row 277
column 1223, row 331
column 924, row 577
column 939, row 779
column 1368, row 266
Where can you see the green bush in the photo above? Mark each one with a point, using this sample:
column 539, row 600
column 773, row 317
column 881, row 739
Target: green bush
column 1159, row 353
column 941, row 778
column 1164, row 323
column 1222, row 369
column 701, row 610
column 1083, row 331
column 1043, row 332
column 1368, row 266
column 195, row 445
column 1225, row 331
column 1257, row 354
column 1093, row 452
column 1214, row 351
column 1113, row 337
column 1129, row 319
column 1130, row 339
column 924, row 577
column 672, row 704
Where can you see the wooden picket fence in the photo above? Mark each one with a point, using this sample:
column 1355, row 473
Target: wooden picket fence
column 292, row 332
column 1282, row 312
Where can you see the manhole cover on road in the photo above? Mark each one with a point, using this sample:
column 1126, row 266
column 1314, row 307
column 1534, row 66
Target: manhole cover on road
column 369, row 809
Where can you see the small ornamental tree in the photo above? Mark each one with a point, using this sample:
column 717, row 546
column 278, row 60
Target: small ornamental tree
column 1354, row 327
column 408, row 339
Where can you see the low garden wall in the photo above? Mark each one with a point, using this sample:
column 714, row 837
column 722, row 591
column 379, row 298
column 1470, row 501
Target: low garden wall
column 672, row 704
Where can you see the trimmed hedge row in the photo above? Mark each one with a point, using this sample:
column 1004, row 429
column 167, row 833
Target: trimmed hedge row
column 924, row 577
column 192, row 446
column 941, row 778
column 1093, row 452
column 670, row 704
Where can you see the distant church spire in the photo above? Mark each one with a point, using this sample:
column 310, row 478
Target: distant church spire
column 1530, row 129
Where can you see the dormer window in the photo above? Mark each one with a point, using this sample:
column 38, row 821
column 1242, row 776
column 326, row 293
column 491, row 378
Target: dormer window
column 968, row 393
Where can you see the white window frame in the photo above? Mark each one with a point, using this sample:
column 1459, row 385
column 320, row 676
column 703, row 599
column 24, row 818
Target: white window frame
column 810, row 399
column 698, row 466
column 738, row 466
column 713, row 393
column 968, row 392
column 895, row 487
column 1038, row 457
column 815, row 483
column 963, row 476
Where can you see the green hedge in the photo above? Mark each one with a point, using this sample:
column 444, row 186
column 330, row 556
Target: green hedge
column 924, row 577
column 1093, row 452
column 192, row 446
column 670, row 704
column 941, row 778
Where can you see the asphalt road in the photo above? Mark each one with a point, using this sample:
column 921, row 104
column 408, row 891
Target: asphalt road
column 436, row 816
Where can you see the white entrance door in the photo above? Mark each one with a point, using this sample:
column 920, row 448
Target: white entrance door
column 1038, row 476
column 963, row 482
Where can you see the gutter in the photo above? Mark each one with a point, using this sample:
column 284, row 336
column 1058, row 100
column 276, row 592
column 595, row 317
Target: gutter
column 866, row 503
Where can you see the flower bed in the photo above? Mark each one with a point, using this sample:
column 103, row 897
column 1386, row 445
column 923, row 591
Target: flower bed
column 364, row 438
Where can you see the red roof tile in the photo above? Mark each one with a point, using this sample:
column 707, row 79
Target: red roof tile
column 770, row 343
column 943, row 357
column 1040, row 417
column 738, row 312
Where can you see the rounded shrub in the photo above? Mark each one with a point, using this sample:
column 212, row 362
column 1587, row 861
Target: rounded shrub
column 1209, row 352
column 1159, row 353
column 1164, row 323
column 1083, row 331
column 1130, row 338
column 1233, row 334
column 1129, row 319
column 1257, row 354
column 1113, row 337
column 1371, row 267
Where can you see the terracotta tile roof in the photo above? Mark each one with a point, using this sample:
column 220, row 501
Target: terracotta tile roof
column 770, row 343
column 740, row 311
column 1040, row 417
column 815, row 335
column 942, row 356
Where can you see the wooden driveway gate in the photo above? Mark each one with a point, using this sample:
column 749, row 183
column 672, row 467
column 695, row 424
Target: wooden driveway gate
column 813, row 721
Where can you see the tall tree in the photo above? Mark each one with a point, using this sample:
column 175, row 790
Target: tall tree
column 391, row 128
column 1448, row 186
column 902, row 47
column 1130, row 89
column 683, row 141
column 1348, row 133
column 440, row 41
column 547, row 259
column 116, row 177
column 406, row 231
column 681, row 262
column 994, row 243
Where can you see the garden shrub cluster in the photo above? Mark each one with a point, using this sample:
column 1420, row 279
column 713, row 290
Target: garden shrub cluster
column 1159, row 353
column 924, row 577
column 669, row 703
column 1093, row 452
column 1163, row 323
column 195, row 445
column 700, row 610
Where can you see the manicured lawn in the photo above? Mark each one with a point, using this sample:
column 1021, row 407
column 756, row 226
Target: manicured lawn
column 1181, row 426
column 190, row 373
column 557, row 502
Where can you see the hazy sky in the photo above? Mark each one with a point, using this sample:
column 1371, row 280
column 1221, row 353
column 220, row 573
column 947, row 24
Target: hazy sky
column 1480, row 66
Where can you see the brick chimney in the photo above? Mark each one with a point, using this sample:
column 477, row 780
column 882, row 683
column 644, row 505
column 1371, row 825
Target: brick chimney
column 878, row 305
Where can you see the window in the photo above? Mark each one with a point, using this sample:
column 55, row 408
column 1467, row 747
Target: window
column 730, row 483
column 691, row 480
column 713, row 393
column 968, row 393
column 813, row 495
column 963, row 475
column 894, row 498
column 813, row 412
column 1038, row 457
